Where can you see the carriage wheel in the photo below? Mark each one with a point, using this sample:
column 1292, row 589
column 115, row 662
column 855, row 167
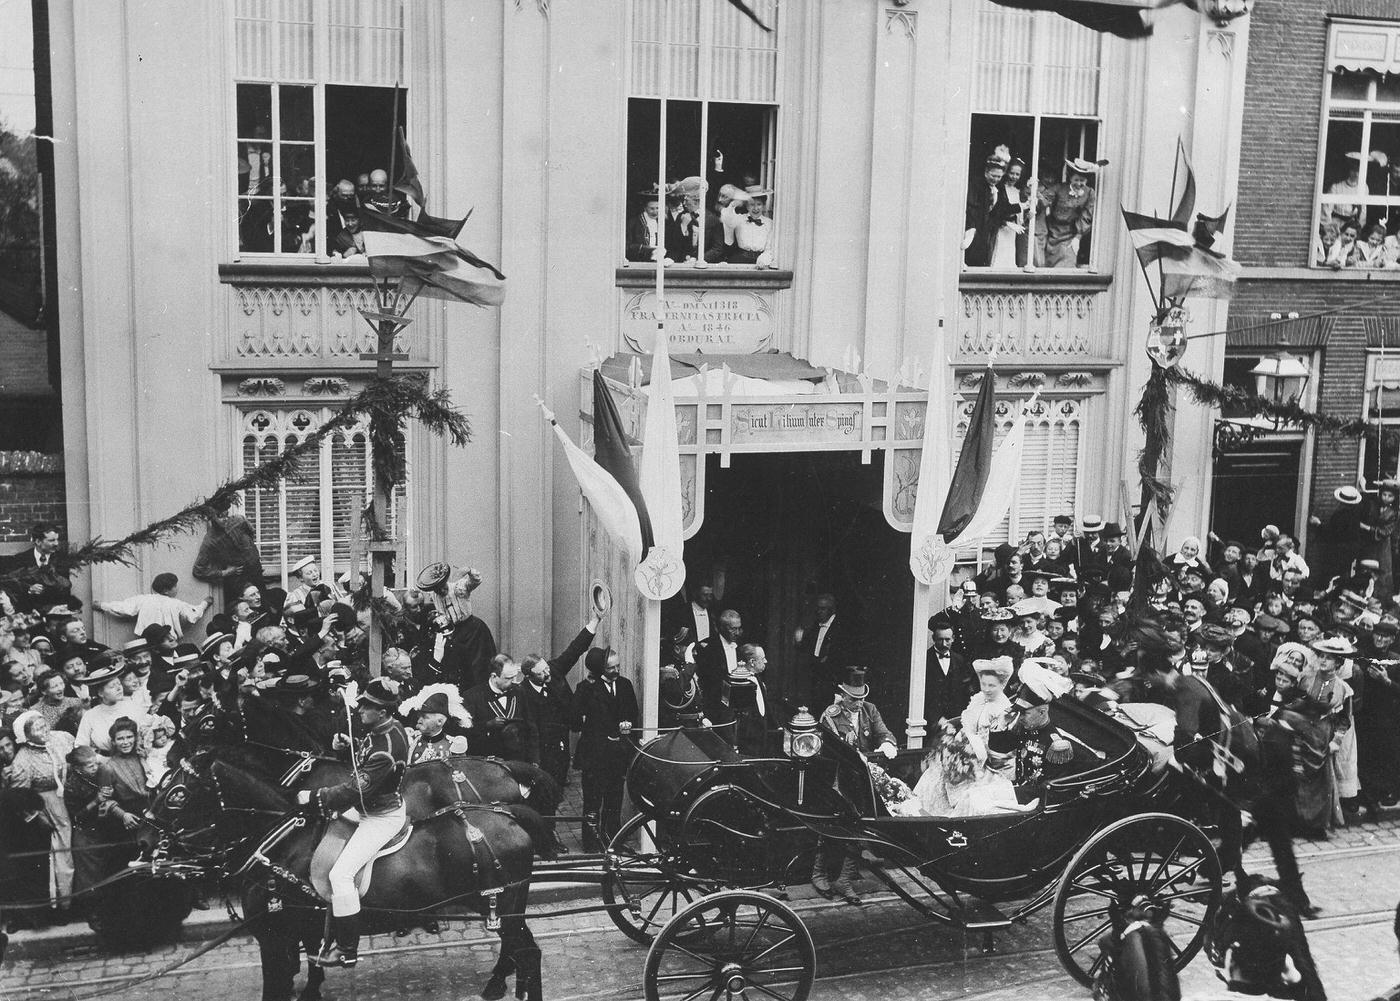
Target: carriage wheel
column 738, row 943
column 1155, row 855
column 650, row 881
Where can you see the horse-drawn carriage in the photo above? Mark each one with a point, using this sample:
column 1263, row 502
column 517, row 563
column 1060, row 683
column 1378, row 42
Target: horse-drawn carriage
column 715, row 830
column 687, row 873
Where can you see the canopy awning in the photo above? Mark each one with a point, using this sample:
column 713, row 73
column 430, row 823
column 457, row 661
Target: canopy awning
column 1365, row 48
column 1261, row 330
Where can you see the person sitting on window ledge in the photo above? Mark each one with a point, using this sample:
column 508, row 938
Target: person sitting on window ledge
column 1372, row 254
column 753, row 230
column 644, row 229
column 1069, row 217
column 987, row 210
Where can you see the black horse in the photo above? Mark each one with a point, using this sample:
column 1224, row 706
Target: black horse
column 461, row 861
column 428, row 785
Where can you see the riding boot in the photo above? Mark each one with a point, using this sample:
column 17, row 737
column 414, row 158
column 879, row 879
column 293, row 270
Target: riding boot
column 845, row 882
column 591, row 840
column 821, row 874
column 345, row 950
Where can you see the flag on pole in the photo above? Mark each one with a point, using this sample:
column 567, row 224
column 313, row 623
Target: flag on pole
column 613, row 453
column 1196, row 272
column 1186, row 204
column 441, row 232
column 974, row 464
column 609, row 501
column 661, row 481
column 1151, row 236
column 408, row 181
column 1000, row 483
column 1124, row 18
column 432, row 266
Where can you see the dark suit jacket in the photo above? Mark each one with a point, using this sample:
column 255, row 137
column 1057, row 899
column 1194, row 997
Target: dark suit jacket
column 823, row 672
column 712, row 671
column 638, row 242
column 946, row 696
column 987, row 210
column 57, row 588
column 488, row 726
column 600, row 745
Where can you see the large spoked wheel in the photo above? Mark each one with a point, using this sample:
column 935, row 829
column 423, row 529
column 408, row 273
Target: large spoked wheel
column 738, row 943
column 1164, row 858
column 651, row 881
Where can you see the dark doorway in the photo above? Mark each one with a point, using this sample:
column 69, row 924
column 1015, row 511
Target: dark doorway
column 1256, row 484
column 781, row 529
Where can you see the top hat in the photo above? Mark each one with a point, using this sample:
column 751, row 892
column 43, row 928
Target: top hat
column 855, row 685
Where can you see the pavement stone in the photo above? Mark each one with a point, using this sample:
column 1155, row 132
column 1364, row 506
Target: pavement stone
column 883, row 951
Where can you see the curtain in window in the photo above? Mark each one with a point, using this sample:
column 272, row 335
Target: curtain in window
column 275, row 40
column 1012, row 45
column 717, row 52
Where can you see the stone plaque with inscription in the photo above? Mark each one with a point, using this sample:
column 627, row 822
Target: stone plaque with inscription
column 796, row 423
column 710, row 321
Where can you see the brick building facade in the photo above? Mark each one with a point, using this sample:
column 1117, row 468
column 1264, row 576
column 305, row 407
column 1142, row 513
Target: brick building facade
column 1288, row 160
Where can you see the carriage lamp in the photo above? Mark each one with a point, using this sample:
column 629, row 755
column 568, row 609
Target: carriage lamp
column 800, row 736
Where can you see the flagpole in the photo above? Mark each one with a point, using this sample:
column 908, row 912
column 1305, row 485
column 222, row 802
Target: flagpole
column 651, row 627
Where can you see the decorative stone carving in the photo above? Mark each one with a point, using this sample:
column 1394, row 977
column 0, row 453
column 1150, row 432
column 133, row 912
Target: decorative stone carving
column 291, row 321
column 908, row 20
column 1024, row 380
column 262, row 386
column 1223, row 43
column 326, row 385
column 1074, row 379
column 1029, row 325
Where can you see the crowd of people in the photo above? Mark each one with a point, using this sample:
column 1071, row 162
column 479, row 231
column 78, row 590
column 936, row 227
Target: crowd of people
column 89, row 730
column 1005, row 207
column 344, row 210
column 735, row 227
column 1354, row 235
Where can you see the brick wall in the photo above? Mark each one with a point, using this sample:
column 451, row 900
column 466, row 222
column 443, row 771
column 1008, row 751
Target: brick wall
column 27, row 500
column 1282, row 129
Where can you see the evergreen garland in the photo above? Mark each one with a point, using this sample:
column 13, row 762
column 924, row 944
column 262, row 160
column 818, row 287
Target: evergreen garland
column 389, row 404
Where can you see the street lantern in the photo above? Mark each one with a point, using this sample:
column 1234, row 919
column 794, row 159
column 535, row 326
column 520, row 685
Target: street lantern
column 1281, row 376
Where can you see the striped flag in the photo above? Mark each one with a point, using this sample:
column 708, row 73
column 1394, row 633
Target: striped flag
column 1151, row 235
column 609, row 501
column 974, row 464
column 1000, row 484
column 433, row 266
column 613, row 454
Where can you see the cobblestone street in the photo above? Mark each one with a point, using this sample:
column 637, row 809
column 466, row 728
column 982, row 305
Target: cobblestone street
column 883, row 951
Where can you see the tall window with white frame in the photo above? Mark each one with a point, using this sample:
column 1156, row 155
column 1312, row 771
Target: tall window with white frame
column 311, row 512
column 722, row 95
column 1358, row 176
column 314, row 96
column 1033, row 160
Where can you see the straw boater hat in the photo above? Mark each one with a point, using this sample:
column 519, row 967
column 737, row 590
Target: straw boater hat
column 1079, row 165
column 1347, row 495
column 1092, row 523
column 1334, row 646
column 302, row 564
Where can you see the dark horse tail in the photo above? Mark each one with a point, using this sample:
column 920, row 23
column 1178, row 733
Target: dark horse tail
column 545, row 793
column 533, row 824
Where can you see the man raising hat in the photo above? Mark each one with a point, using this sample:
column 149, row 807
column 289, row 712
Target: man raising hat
column 608, row 712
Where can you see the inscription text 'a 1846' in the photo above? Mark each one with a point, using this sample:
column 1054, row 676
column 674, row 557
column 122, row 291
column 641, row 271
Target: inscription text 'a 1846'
column 711, row 322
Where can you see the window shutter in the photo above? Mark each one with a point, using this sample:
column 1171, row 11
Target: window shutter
column 350, row 488
column 648, row 18
column 302, row 490
column 262, row 507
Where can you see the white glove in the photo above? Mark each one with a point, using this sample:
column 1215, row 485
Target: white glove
column 888, row 750
column 304, row 797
